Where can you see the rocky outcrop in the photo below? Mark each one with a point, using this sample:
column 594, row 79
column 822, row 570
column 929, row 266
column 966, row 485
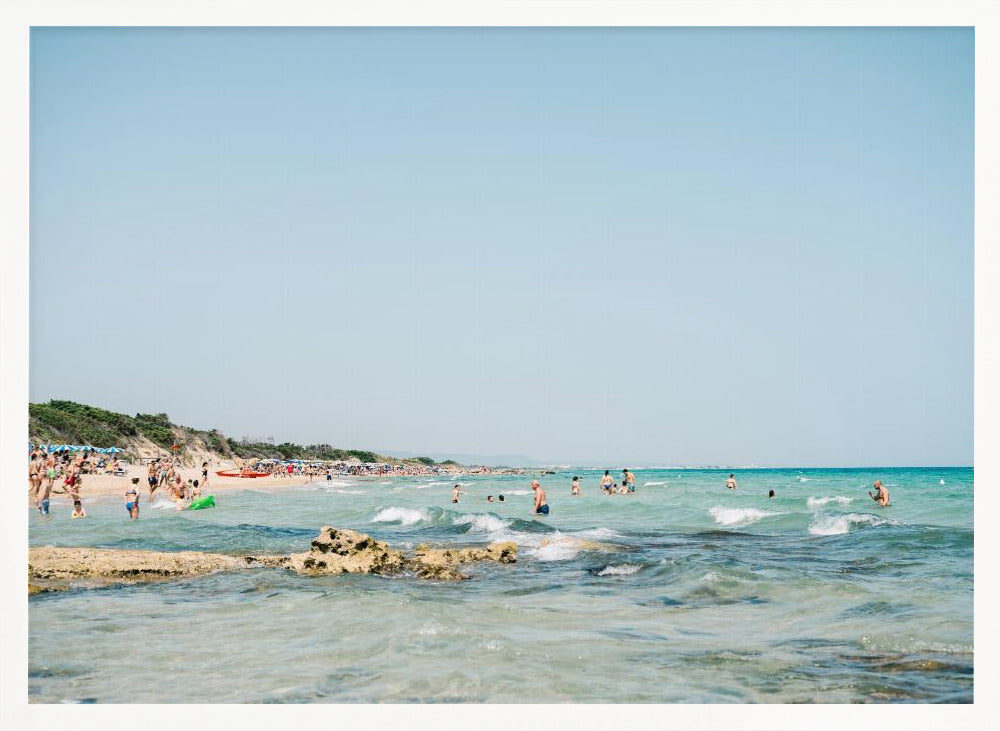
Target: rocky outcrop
column 341, row 551
column 337, row 551
column 51, row 568
column 440, row 563
column 334, row 551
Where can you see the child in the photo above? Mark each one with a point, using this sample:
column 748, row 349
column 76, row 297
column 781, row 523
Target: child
column 195, row 490
column 576, row 486
column 78, row 511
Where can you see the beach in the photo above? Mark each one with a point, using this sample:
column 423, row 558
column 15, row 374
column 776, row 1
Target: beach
column 684, row 591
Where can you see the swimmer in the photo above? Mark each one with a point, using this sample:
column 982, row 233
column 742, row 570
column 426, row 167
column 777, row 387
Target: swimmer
column 881, row 496
column 770, row 493
column 489, row 498
column 606, row 481
column 456, row 491
column 500, row 498
column 541, row 506
column 132, row 499
column 78, row 511
column 731, row 483
column 576, row 486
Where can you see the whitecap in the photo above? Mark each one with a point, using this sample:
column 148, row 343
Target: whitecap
column 555, row 550
column 834, row 525
column 941, row 482
column 164, row 504
column 403, row 516
column 651, row 484
column 624, row 570
column 482, row 522
column 803, row 479
column 597, row 533
column 816, row 502
column 517, row 492
column 738, row 516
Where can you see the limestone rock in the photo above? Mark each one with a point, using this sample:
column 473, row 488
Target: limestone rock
column 341, row 551
column 440, row 563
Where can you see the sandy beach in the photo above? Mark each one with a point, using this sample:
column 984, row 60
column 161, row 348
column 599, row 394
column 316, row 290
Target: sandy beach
column 102, row 485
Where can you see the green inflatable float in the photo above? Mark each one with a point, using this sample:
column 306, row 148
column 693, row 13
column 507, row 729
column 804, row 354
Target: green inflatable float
column 206, row 502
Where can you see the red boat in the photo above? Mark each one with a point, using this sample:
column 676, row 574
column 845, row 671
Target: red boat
column 241, row 473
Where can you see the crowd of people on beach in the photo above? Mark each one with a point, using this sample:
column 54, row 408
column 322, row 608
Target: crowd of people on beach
column 62, row 473
column 51, row 473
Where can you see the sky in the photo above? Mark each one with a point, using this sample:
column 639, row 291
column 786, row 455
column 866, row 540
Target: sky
column 633, row 246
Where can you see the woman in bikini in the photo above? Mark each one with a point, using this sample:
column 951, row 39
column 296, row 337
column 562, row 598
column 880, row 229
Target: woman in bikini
column 35, row 475
column 132, row 499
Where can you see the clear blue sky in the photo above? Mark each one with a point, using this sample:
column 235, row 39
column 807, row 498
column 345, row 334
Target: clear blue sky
column 639, row 246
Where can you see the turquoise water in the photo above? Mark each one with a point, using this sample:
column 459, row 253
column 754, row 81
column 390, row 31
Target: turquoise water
column 682, row 592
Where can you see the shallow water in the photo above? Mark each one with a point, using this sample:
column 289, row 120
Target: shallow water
column 682, row 592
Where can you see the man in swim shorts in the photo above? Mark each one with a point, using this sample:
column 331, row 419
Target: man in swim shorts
column 455, row 493
column 541, row 505
column 628, row 480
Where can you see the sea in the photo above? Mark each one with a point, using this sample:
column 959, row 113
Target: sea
column 683, row 592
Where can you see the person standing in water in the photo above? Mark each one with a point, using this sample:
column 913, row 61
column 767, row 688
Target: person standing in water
column 881, row 496
column 628, row 480
column 606, row 481
column 541, row 505
column 132, row 499
column 456, row 491
column 576, row 486
column 731, row 482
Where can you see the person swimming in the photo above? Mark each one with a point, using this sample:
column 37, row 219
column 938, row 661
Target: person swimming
column 770, row 493
column 489, row 498
column 78, row 511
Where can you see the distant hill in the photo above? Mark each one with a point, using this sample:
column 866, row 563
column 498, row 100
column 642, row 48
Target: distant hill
column 487, row 460
column 147, row 435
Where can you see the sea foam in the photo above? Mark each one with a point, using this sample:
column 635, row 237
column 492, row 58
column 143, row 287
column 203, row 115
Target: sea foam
column 403, row 516
column 816, row 502
column 834, row 525
column 482, row 522
column 651, row 484
column 624, row 570
column 738, row 516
